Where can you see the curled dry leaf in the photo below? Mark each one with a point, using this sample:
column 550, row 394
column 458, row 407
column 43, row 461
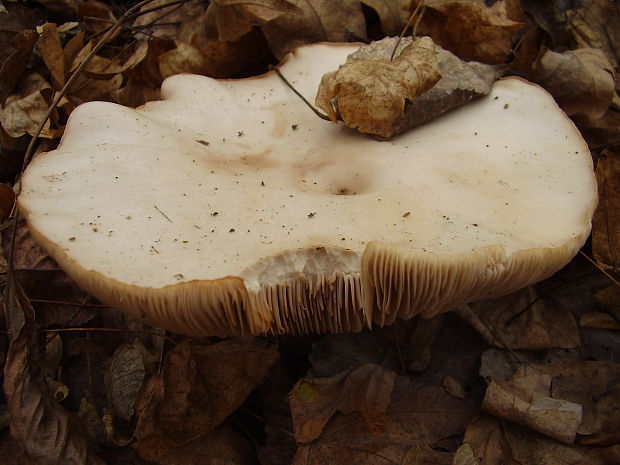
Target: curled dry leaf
column 523, row 321
column 369, row 94
column 599, row 320
column 470, row 29
column 46, row 431
column 493, row 441
column 22, row 115
column 367, row 390
column 606, row 221
column 557, row 418
column 198, row 388
column 581, row 81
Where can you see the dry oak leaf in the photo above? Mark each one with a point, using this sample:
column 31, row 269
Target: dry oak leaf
column 606, row 220
column 366, row 389
column 22, row 114
column 525, row 405
column 288, row 24
column 470, row 29
column 198, row 388
column 51, row 51
column 581, row 81
column 417, row 419
column 370, row 94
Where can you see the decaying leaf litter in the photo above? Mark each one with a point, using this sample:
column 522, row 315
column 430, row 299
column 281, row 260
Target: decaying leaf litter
column 419, row 391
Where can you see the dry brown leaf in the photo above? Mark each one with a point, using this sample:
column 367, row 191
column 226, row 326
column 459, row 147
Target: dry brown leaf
column 523, row 321
column 103, row 69
column 147, row 71
column 50, row 48
column 393, row 14
column 417, row 419
column 581, row 81
column 173, row 22
column 22, row 115
column 18, row 18
column 470, row 29
column 494, row 442
column 369, row 94
column 198, row 388
column 367, row 389
column 288, row 24
column 124, row 379
column 15, row 64
column 606, row 221
column 556, row 418
column 46, row 431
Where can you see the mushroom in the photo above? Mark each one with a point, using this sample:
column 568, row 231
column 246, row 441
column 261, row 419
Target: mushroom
column 228, row 208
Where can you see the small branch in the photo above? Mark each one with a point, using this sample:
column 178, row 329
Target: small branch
column 600, row 268
column 409, row 21
column 290, row 86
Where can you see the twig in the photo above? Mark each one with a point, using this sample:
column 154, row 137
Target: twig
column 264, row 420
column 409, row 21
column 316, row 112
column 68, row 304
column 601, row 269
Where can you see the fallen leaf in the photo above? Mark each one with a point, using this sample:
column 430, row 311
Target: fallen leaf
column 581, row 81
column 15, row 64
column 135, row 93
column 23, row 115
column 66, row 8
column 367, row 389
column 416, row 420
column 124, row 379
column 369, row 93
column 198, row 388
column 51, row 51
column 523, row 321
column 586, row 23
column 28, row 254
column 288, row 24
column 172, row 22
column 18, row 18
column 147, row 71
column 556, row 418
column 493, row 442
column 606, row 221
column 46, row 431
column 501, row 364
column 470, row 29
column 393, row 14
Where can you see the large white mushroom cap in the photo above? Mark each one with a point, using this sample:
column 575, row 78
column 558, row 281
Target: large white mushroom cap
column 229, row 208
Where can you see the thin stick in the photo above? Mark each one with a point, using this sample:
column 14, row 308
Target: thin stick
column 601, row 269
column 316, row 112
column 68, row 304
column 409, row 21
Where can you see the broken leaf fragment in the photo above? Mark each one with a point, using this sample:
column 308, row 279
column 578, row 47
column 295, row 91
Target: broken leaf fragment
column 369, row 93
